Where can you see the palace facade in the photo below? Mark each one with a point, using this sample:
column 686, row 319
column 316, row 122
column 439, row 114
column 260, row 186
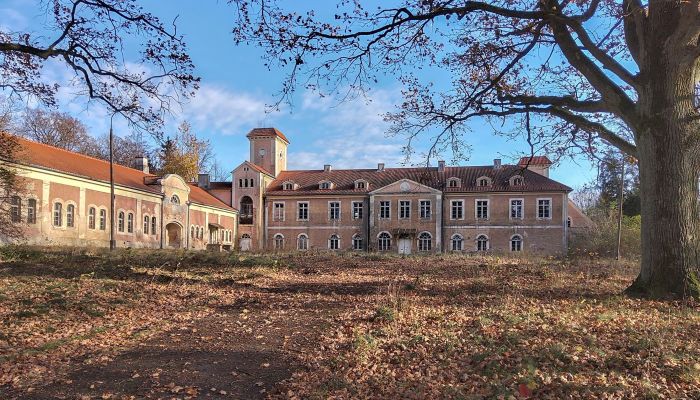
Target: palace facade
column 265, row 207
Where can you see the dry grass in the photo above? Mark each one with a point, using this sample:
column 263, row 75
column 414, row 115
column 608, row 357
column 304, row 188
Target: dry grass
column 387, row 327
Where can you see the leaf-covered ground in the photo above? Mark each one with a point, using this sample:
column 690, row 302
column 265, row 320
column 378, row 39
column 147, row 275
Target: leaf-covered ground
column 80, row 324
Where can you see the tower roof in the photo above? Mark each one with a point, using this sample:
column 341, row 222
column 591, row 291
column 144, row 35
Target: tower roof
column 267, row 132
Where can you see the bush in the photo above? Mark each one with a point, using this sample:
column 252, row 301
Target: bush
column 601, row 239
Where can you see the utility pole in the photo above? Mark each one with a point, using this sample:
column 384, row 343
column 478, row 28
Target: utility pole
column 112, row 242
column 620, row 200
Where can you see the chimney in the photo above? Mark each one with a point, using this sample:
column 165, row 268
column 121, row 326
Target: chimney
column 380, row 166
column 496, row 163
column 327, row 168
column 441, row 166
column 203, row 181
column 141, row 163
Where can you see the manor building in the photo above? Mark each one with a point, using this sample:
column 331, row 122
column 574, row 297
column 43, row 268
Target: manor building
column 266, row 207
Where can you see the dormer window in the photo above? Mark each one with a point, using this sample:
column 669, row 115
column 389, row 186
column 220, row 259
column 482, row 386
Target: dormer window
column 288, row 186
column 484, row 181
column 517, row 180
column 325, row 185
column 361, row 184
column 453, row 183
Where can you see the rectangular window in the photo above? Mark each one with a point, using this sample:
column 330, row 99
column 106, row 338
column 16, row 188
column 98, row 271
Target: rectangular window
column 31, row 211
column 426, row 211
column 57, row 214
column 404, row 209
column 384, row 209
column 334, row 210
column 482, row 209
column 303, row 211
column 103, row 220
column 278, row 211
column 516, row 208
column 357, row 207
column 457, row 209
column 544, row 208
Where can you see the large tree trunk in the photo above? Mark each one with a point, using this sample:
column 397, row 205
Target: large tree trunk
column 668, row 140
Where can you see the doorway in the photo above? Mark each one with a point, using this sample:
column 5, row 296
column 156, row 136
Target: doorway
column 174, row 235
column 404, row 246
column 245, row 242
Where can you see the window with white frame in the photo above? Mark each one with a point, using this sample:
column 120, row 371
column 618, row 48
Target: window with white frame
column 174, row 199
column 130, row 223
column 544, row 208
column 385, row 209
column 146, row 223
column 334, row 210
column 288, row 186
column 302, row 242
column 425, row 241
column 357, row 242
column 360, row 184
column 324, row 185
column 279, row 241
column 153, row 226
column 517, row 180
column 70, row 216
column 453, row 182
column 516, row 243
column 482, row 243
column 31, row 211
column 57, row 214
column 457, row 209
column 516, row 208
column 482, row 209
column 278, row 211
column 334, row 242
column 92, row 214
column 357, row 209
column 103, row 220
column 483, row 181
column 16, row 209
column 192, row 231
column 404, row 209
column 457, row 242
column 303, row 211
column 384, row 241
column 120, row 221
column 426, row 209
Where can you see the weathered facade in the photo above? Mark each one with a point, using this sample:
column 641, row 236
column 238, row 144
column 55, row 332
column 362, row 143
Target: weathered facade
column 66, row 201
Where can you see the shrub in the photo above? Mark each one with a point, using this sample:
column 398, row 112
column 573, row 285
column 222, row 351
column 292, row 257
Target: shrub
column 601, row 239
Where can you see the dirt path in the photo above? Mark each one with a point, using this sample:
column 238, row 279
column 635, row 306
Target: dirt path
column 241, row 350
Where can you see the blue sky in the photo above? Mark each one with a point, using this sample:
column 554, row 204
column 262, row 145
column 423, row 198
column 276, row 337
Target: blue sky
column 236, row 86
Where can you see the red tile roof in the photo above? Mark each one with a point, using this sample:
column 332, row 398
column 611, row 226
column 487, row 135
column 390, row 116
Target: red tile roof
column 534, row 160
column 267, row 132
column 344, row 180
column 56, row 159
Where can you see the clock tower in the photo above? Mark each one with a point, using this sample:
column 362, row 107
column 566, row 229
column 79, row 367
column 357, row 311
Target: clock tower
column 268, row 149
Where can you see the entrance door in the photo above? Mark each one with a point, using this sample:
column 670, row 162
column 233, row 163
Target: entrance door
column 404, row 246
column 245, row 242
column 174, row 237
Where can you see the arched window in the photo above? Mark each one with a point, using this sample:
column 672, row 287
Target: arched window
column 325, row 185
column 384, row 241
column 16, row 209
column 130, row 223
column 568, row 222
column 361, row 184
column 192, row 231
column 457, row 242
column 288, row 186
column 357, row 242
column 201, row 232
column 57, row 214
column 425, row 241
column 302, row 242
column 70, row 215
column 279, row 241
column 453, row 182
column 91, row 217
column 246, row 211
column 146, row 221
column 31, row 211
column 120, row 221
column 516, row 180
column 483, row 181
column 334, row 242
column 516, row 243
column 103, row 219
column 153, row 226
column 174, row 199
column 482, row 243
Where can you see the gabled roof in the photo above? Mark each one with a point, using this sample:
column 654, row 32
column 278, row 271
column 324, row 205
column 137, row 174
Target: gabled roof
column 60, row 160
column 534, row 160
column 267, row 132
column 256, row 168
column 344, row 180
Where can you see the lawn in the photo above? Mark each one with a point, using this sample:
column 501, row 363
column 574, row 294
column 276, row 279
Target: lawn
column 135, row 324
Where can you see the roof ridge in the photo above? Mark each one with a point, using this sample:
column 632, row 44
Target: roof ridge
column 78, row 154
